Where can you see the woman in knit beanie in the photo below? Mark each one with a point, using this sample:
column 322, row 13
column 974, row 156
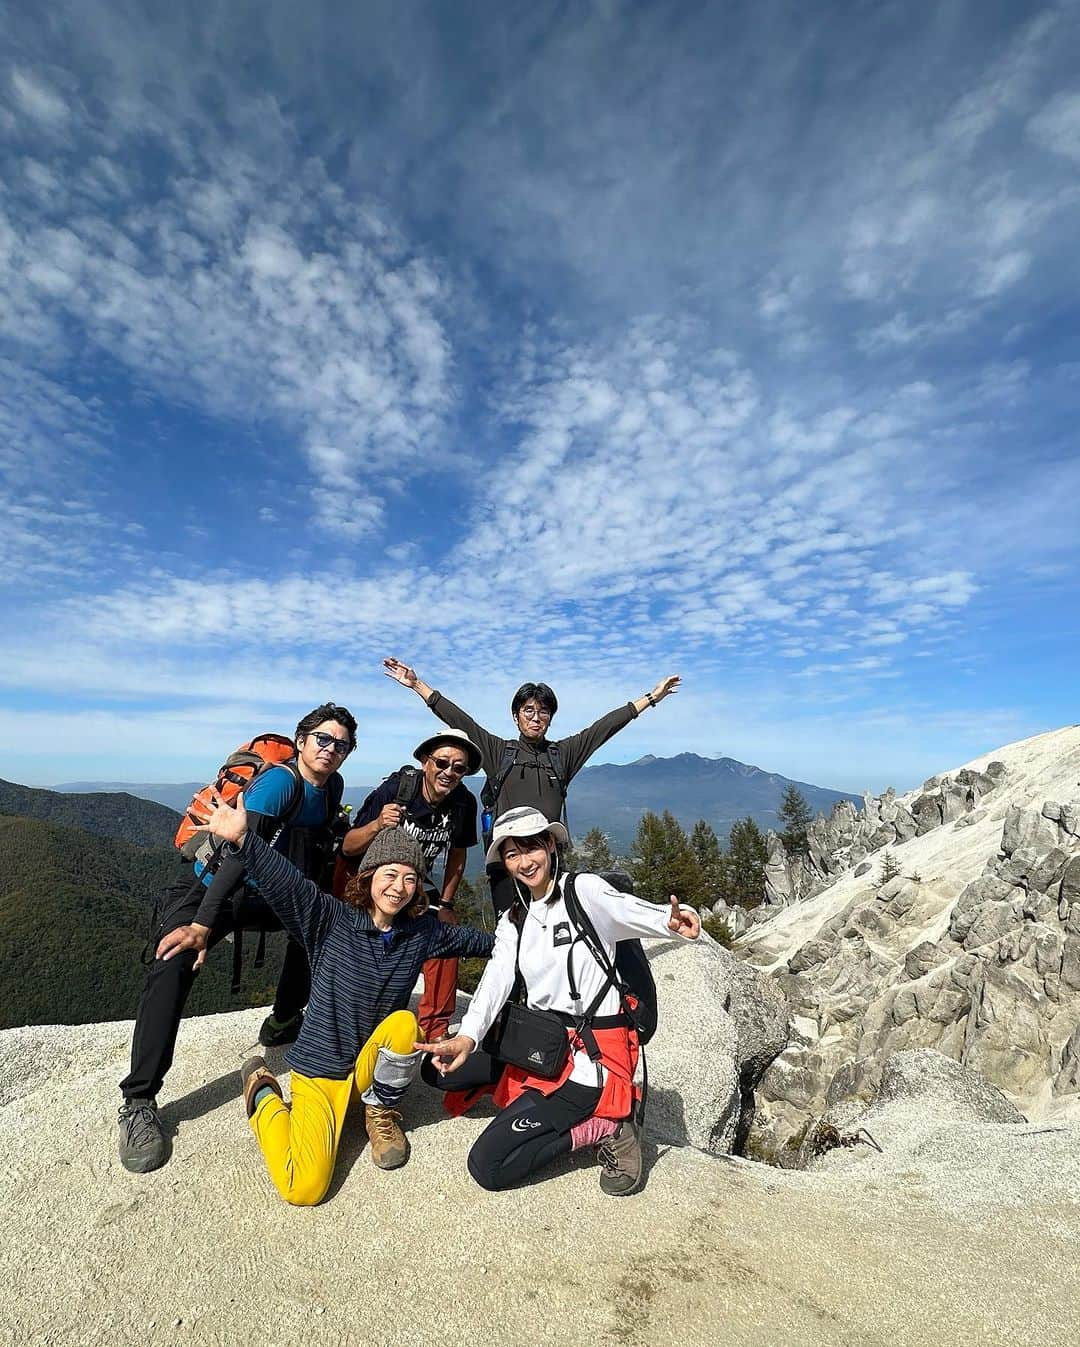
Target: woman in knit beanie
column 358, row 1036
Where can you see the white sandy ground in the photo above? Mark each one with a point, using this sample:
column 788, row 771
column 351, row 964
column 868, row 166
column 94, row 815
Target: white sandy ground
column 973, row 1239
column 1046, row 767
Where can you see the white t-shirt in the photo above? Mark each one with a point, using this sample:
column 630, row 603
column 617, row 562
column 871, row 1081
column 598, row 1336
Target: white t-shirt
column 546, row 937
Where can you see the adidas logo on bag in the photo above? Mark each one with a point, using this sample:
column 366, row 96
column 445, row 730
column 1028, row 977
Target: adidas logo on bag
column 537, row 1057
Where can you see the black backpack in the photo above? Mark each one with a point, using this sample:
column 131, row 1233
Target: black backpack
column 630, row 973
column 489, row 796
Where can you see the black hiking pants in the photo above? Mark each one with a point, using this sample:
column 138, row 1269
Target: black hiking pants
column 524, row 1136
column 168, row 982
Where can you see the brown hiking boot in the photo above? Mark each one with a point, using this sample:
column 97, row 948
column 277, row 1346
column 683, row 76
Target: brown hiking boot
column 622, row 1171
column 389, row 1144
column 254, row 1074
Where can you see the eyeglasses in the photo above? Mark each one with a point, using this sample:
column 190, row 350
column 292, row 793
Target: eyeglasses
column 534, row 713
column 448, row 765
column 340, row 746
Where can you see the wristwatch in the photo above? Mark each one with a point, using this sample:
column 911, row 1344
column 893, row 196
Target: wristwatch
column 448, row 905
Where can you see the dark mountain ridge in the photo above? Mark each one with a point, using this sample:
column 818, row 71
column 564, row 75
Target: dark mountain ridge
column 613, row 796
column 75, row 912
column 122, row 814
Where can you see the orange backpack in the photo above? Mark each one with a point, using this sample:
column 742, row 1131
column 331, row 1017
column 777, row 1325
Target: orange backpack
column 237, row 772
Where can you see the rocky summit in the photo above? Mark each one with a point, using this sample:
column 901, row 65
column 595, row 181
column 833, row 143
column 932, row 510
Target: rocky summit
column 947, row 918
column 900, row 1032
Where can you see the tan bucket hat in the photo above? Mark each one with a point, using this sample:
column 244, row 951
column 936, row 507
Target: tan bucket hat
column 523, row 822
column 459, row 739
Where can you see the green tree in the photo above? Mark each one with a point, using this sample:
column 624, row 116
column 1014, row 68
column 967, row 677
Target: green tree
column 593, row 853
column 710, row 858
column 890, row 868
column 747, row 854
column 796, row 816
column 662, row 860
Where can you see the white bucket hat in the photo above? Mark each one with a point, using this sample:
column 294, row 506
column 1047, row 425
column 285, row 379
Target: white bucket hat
column 523, row 822
column 459, row 739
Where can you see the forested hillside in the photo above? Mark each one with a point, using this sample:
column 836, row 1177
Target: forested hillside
column 74, row 917
column 116, row 814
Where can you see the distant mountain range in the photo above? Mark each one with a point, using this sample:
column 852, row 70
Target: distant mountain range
column 123, row 812
column 170, row 794
column 611, row 797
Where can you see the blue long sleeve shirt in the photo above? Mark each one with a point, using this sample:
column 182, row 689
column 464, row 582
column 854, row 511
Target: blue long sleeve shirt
column 357, row 977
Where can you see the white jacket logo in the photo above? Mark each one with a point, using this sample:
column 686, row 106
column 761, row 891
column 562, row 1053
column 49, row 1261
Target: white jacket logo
column 537, row 1057
column 524, row 1124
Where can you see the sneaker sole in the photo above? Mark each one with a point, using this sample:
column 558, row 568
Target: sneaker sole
column 635, row 1187
column 393, row 1164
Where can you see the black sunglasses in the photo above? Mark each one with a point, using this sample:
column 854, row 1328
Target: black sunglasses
column 447, row 765
column 340, row 746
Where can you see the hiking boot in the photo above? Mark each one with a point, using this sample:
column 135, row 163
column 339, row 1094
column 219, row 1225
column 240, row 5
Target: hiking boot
column 276, row 1033
column 142, row 1142
column 622, row 1171
column 254, row 1075
column 389, row 1145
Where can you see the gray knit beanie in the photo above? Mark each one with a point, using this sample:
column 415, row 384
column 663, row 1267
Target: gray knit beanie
column 393, row 846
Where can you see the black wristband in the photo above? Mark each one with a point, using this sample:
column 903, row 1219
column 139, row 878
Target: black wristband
column 448, row 905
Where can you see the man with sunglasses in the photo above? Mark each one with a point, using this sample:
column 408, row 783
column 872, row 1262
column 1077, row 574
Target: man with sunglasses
column 531, row 770
column 294, row 807
column 441, row 815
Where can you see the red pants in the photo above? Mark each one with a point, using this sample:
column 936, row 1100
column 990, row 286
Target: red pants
column 440, row 991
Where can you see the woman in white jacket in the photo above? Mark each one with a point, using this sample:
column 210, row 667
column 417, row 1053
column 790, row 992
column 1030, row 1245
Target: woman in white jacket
column 592, row 1100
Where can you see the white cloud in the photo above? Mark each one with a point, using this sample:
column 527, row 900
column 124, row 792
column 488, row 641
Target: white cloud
column 35, row 97
column 1056, row 126
column 240, row 280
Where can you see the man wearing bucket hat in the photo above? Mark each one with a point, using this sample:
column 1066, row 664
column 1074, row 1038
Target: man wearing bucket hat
column 436, row 808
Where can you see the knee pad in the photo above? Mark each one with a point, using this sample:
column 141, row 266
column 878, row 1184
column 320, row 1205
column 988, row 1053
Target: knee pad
column 394, row 1073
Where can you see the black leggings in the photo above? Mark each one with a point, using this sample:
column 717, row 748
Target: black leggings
column 526, row 1135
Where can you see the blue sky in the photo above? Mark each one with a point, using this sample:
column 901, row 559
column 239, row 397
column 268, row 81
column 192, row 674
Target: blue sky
column 580, row 342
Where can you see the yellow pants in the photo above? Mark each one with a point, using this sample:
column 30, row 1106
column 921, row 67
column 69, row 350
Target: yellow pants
column 299, row 1141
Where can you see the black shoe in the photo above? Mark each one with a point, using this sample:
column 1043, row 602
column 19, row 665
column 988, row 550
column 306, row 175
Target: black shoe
column 142, row 1142
column 276, row 1033
column 622, row 1171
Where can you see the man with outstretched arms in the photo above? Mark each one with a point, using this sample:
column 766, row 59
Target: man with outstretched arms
column 205, row 903
column 532, row 769
column 440, row 812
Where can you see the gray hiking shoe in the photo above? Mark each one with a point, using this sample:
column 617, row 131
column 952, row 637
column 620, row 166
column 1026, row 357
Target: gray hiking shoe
column 142, row 1142
column 276, row 1033
column 622, row 1171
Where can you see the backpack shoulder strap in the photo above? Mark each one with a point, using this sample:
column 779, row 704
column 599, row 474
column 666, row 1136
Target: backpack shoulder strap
column 555, row 759
column 335, row 789
column 493, row 785
column 296, row 800
column 586, row 933
column 408, row 786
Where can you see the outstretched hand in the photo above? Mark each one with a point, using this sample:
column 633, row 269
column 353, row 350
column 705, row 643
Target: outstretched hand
column 227, row 821
column 684, row 920
column 400, row 673
column 457, row 1049
column 665, row 686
